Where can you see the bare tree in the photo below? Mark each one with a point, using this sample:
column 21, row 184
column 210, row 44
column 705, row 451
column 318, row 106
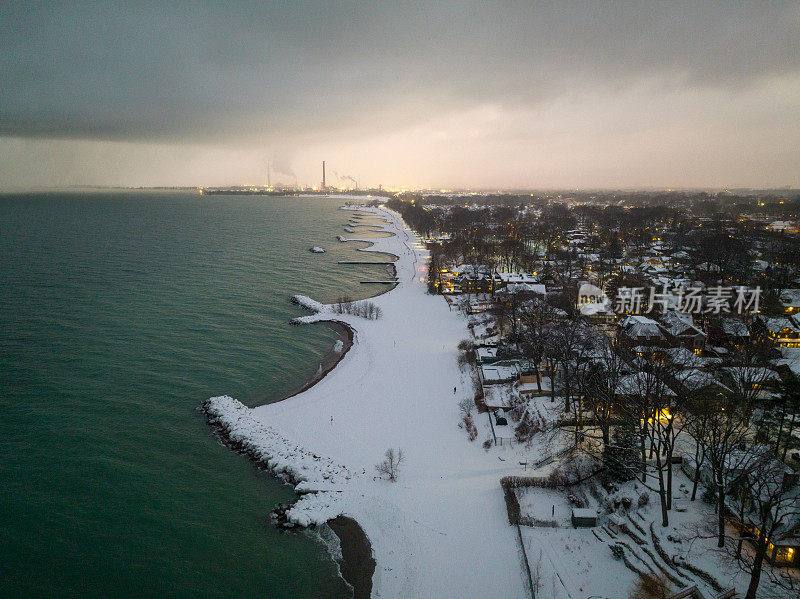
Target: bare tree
column 390, row 466
column 697, row 429
column 726, row 434
column 789, row 406
column 768, row 506
column 465, row 406
column 648, row 400
column 568, row 345
column 600, row 386
column 748, row 374
column 536, row 573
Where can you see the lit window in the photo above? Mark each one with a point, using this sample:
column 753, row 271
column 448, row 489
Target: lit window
column 785, row 554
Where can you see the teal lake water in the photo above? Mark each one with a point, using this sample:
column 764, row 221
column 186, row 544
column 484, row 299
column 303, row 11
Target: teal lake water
column 119, row 314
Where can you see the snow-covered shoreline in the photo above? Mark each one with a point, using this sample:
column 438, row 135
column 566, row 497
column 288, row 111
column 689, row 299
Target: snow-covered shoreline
column 397, row 387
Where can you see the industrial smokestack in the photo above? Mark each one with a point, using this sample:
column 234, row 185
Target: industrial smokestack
column 323, row 175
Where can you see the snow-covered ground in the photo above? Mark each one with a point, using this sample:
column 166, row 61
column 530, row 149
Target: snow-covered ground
column 578, row 563
column 441, row 530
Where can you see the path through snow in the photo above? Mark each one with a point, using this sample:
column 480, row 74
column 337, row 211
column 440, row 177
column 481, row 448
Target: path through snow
column 440, row 530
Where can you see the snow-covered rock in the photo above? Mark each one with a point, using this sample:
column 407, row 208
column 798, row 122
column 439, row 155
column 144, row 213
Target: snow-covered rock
column 308, row 303
column 317, row 250
column 268, row 446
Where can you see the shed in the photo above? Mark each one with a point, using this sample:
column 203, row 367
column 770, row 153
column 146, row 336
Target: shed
column 616, row 523
column 486, row 355
column 584, row 517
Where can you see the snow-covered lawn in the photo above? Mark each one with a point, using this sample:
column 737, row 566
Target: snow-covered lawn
column 441, row 530
column 576, row 563
column 545, row 505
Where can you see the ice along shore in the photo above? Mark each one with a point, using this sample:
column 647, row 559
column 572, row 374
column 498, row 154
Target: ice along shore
column 441, row 529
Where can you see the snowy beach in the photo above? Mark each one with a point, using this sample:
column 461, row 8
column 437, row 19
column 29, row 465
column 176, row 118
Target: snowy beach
column 441, row 530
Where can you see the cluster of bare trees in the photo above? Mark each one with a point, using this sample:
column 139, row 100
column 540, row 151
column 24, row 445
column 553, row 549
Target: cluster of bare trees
column 498, row 236
column 636, row 413
column 466, row 406
column 363, row 308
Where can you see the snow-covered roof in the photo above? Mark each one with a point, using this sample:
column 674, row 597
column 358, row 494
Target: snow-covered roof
column 790, row 298
column 516, row 277
column 499, row 373
column 486, row 353
column 684, row 357
column 735, row 328
column 584, row 512
column 639, row 326
column 790, row 359
column 677, row 317
column 680, row 323
column 640, row 382
column 537, row 288
column 695, row 380
column 782, row 225
column 544, row 385
column 497, row 396
column 471, row 270
column 776, row 325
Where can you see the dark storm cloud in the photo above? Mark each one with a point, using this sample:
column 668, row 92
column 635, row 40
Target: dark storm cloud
column 193, row 72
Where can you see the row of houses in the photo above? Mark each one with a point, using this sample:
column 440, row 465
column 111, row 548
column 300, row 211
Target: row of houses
column 475, row 279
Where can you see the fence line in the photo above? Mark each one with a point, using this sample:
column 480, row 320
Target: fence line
column 527, row 564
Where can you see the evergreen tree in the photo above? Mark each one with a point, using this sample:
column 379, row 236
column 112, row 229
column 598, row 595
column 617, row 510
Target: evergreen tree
column 620, row 456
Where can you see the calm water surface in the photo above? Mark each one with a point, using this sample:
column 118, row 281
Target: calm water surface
column 119, row 314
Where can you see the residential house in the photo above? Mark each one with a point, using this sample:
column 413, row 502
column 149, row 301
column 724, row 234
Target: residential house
column 637, row 330
column 790, row 299
column 782, row 332
column 680, row 330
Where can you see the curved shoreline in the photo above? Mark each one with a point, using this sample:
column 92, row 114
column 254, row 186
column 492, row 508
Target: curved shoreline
column 358, row 563
column 330, row 360
column 346, row 332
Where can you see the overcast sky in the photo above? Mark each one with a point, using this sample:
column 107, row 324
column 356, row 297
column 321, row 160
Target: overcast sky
column 440, row 94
